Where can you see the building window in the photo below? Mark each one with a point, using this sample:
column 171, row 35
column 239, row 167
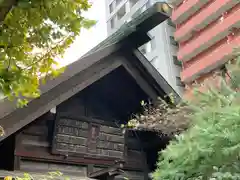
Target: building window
column 111, row 7
column 148, row 4
column 128, row 20
column 112, row 23
column 170, row 23
column 139, row 11
column 172, row 41
column 121, row 12
column 153, row 43
column 132, row 3
column 179, row 82
column 176, row 61
column 143, row 49
column 154, row 61
column 118, row 2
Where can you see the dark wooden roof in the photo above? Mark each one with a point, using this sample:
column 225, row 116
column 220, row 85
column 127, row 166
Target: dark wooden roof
column 145, row 21
column 93, row 65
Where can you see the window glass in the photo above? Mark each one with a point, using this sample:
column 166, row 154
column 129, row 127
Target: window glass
column 154, row 61
column 176, row 61
column 153, row 43
column 179, row 82
column 121, row 12
column 118, row 2
column 170, row 23
column 172, row 41
column 132, row 3
column 111, row 7
column 143, row 49
column 112, row 23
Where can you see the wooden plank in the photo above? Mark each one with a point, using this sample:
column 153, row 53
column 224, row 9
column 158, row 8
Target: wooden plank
column 34, row 140
column 111, row 138
column 111, row 130
column 73, row 107
column 133, row 144
column 18, row 140
column 77, row 150
column 104, row 173
column 17, row 161
column 110, row 145
column 70, row 148
column 72, row 123
column 140, row 81
column 38, row 130
column 93, row 138
column 156, row 79
column 87, row 119
column 70, row 138
column 90, row 168
column 43, row 154
column 60, row 138
column 72, row 131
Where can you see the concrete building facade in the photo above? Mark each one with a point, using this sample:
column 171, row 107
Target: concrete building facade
column 161, row 51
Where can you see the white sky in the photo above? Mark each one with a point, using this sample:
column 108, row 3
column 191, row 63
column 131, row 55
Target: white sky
column 88, row 38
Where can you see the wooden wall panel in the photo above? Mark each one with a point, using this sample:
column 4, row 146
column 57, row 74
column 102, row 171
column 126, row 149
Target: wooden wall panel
column 72, row 135
column 81, row 137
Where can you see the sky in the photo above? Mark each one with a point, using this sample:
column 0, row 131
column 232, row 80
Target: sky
column 88, row 38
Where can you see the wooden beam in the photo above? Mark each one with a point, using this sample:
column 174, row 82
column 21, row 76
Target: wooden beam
column 17, row 161
column 107, row 173
column 43, row 154
column 140, row 80
column 90, row 168
column 156, row 79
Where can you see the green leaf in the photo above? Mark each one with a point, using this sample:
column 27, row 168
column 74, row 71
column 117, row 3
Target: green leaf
column 33, row 34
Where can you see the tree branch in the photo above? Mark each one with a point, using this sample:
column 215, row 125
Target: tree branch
column 5, row 7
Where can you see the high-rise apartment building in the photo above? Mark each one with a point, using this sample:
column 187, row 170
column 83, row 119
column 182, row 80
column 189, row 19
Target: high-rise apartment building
column 208, row 33
column 161, row 51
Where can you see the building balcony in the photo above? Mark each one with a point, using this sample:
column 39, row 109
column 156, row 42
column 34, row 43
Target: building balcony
column 175, row 2
column 186, row 10
column 206, row 16
column 215, row 57
column 210, row 35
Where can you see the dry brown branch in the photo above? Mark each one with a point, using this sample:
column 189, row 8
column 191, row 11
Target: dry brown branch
column 163, row 118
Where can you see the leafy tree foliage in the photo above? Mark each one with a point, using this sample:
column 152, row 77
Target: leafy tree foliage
column 32, row 34
column 210, row 148
column 50, row 175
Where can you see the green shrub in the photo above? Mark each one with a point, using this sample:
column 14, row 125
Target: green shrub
column 210, row 148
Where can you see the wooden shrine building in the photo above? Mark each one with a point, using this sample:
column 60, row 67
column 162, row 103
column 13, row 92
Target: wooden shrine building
column 74, row 126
